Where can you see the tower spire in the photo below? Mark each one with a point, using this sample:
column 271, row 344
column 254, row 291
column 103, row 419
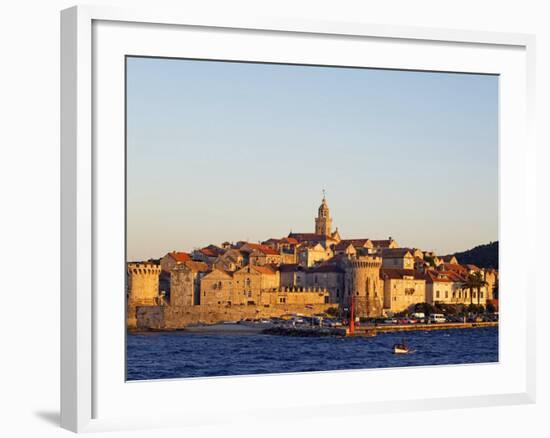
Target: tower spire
column 323, row 221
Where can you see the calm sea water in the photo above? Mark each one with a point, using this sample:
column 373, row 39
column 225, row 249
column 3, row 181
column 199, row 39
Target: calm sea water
column 180, row 354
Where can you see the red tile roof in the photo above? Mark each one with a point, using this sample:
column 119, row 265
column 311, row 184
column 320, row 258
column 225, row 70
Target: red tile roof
column 266, row 269
column 397, row 274
column 437, row 277
column 262, row 248
column 454, row 267
column 454, row 276
column 289, row 240
column 180, row 257
column 209, row 252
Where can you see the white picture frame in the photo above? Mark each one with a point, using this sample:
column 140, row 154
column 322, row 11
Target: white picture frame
column 90, row 399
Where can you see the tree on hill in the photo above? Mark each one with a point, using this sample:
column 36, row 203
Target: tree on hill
column 483, row 256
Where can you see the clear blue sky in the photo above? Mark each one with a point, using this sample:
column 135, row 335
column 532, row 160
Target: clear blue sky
column 239, row 151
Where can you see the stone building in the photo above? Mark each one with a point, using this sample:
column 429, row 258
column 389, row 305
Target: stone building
column 403, row 288
column 231, row 260
column 256, row 286
column 400, row 258
column 491, row 277
column 185, row 281
column 292, row 275
column 253, row 278
column 310, row 254
column 242, row 287
column 351, row 246
column 287, row 248
column 260, row 255
column 217, row 288
column 446, row 284
column 264, row 256
column 329, row 276
column 172, row 259
column 208, row 254
column 439, row 287
column 344, row 247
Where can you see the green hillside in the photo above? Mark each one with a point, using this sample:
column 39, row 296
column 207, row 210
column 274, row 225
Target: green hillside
column 483, row 256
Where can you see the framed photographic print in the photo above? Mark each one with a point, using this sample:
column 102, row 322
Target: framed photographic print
column 290, row 207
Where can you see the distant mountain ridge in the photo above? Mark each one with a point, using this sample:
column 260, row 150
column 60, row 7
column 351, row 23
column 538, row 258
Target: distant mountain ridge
column 483, row 256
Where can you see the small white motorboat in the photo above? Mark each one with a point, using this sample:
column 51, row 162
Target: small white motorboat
column 400, row 348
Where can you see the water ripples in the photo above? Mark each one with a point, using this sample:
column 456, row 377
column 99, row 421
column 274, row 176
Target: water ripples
column 180, row 354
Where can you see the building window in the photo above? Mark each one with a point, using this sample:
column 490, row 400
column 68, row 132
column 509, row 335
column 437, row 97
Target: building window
column 446, row 294
column 437, row 294
column 481, row 295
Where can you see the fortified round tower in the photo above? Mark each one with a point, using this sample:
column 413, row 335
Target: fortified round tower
column 143, row 284
column 143, row 288
column 363, row 282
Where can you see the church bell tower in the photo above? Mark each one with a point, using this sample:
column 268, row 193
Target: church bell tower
column 323, row 221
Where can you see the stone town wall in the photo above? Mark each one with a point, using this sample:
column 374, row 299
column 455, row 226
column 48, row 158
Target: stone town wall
column 171, row 318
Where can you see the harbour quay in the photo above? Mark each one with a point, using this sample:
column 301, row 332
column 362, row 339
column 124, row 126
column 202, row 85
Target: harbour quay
column 371, row 330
